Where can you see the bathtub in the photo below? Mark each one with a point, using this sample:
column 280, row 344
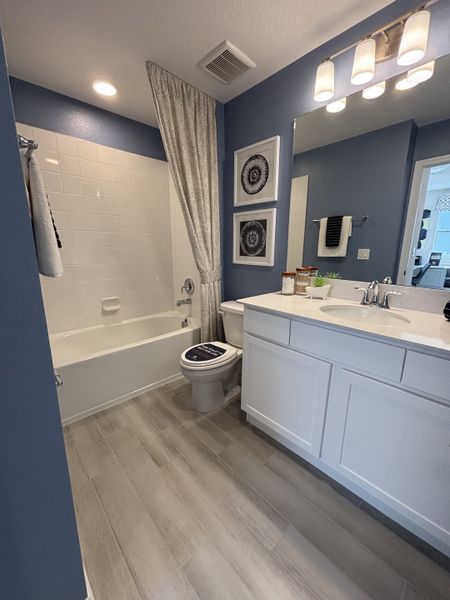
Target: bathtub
column 107, row 364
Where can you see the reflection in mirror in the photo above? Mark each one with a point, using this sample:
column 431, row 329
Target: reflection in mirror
column 384, row 162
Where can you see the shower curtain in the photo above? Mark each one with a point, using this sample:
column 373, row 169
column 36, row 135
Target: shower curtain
column 187, row 120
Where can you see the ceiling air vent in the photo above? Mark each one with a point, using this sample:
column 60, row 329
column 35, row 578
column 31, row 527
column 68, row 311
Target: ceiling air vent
column 226, row 62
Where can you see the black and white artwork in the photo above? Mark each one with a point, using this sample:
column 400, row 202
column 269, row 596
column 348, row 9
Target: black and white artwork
column 256, row 172
column 254, row 237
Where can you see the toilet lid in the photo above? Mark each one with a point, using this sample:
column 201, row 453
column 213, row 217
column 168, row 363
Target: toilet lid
column 208, row 354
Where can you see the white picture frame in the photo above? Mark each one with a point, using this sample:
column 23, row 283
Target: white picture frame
column 256, row 170
column 254, row 237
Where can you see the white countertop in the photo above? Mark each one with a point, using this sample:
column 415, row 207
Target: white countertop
column 429, row 330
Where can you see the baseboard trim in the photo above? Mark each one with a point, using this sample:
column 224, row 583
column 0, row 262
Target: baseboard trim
column 120, row 399
column 90, row 595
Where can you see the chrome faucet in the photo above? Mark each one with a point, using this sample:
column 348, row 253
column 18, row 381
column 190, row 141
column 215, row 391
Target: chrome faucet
column 374, row 292
column 365, row 296
column 371, row 295
column 384, row 303
column 184, row 301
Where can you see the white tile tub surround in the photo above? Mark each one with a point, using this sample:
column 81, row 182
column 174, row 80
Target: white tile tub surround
column 112, row 211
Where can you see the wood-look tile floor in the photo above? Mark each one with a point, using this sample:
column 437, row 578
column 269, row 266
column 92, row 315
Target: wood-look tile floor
column 173, row 505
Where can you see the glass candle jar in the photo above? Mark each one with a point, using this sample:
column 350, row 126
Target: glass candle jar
column 313, row 272
column 302, row 281
column 288, row 283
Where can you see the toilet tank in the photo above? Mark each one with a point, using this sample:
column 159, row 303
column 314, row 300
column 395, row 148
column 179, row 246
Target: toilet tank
column 233, row 322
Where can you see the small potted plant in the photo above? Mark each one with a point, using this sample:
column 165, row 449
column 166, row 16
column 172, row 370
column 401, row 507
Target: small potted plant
column 320, row 287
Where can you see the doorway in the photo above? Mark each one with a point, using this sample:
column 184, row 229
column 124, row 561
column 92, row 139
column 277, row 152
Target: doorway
column 425, row 257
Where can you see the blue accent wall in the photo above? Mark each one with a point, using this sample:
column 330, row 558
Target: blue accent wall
column 366, row 174
column 270, row 108
column 433, row 140
column 39, row 551
column 40, row 107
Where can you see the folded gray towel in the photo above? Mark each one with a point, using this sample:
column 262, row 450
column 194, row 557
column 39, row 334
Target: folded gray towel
column 45, row 238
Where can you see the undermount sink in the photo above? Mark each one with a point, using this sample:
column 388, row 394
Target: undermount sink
column 365, row 314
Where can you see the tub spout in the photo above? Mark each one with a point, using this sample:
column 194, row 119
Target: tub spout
column 184, row 301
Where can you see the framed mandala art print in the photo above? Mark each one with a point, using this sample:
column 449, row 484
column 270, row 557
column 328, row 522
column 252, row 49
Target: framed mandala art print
column 254, row 237
column 256, row 172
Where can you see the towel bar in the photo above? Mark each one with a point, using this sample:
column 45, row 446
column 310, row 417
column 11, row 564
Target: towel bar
column 359, row 219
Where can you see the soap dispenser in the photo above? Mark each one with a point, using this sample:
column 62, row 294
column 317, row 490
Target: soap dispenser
column 447, row 310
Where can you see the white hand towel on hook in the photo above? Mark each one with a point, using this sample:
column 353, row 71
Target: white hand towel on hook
column 47, row 251
column 338, row 251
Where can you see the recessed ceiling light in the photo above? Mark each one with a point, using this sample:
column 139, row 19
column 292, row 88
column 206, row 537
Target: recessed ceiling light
column 104, row 88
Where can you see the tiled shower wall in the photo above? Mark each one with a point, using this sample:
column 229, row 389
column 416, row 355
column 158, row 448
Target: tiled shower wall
column 112, row 210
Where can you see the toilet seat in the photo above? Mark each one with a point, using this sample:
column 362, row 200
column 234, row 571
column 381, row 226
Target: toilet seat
column 208, row 355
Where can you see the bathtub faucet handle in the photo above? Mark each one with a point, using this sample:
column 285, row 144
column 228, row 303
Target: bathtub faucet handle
column 188, row 286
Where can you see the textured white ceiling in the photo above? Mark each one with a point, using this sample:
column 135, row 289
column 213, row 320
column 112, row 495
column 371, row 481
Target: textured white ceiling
column 65, row 45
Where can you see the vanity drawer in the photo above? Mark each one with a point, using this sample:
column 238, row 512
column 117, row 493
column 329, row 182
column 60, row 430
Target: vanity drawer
column 361, row 354
column 271, row 327
column 428, row 374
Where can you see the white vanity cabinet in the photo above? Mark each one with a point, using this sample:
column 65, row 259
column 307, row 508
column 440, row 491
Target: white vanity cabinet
column 370, row 413
column 287, row 391
column 394, row 444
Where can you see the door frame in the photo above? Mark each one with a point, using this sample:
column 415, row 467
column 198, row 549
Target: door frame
column 416, row 203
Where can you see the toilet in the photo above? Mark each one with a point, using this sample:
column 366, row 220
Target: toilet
column 214, row 368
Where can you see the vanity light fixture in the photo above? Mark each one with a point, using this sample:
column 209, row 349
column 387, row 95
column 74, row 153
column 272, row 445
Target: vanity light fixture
column 324, row 88
column 404, row 84
column 104, row 88
column 337, row 105
column 363, row 69
column 374, row 91
column 414, row 39
column 422, row 73
column 405, row 38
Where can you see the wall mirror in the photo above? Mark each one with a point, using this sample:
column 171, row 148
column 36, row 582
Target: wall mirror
column 385, row 162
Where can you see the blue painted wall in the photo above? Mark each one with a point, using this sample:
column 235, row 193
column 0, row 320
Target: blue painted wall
column 269, row 109
column 433, row 140
column 39, row 551
column 366, row 174
column 38, row 106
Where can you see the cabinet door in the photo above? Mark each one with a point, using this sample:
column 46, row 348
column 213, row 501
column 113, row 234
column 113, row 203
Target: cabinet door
column 395, row 445
column 287, row 391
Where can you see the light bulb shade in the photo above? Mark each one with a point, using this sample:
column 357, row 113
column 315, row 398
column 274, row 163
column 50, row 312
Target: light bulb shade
column 404, row 84
column 363, row 69
column 414, row 39
column 422, row 73
column 324, row 88
column 374, row 91
column 337, row 105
